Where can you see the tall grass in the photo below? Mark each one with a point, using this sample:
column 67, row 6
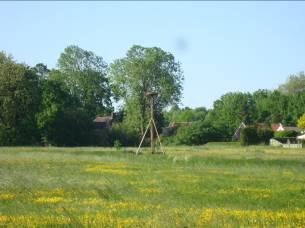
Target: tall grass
column 213, row 185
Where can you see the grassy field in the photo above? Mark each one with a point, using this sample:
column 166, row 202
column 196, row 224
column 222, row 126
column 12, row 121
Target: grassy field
column 214, row 185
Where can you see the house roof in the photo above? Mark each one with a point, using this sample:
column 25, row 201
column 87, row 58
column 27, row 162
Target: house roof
column 175, row 124
column 103, row 119
column 301, row 137
column 292, row 128
column 238, row 130
column 262, row 125
column 275, row 126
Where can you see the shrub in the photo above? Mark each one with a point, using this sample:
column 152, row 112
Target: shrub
column 280, row 134
column 168, row 140
column 124, row 135
column 188, row 135
column 264, row 135
column 195, row 134
column 248, row 136
column 103, row 137
column 70, row 127
column 117, row 144
column 7, row 136
column 301, row 121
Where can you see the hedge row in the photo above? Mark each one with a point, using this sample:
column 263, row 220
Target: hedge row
column 252, row 135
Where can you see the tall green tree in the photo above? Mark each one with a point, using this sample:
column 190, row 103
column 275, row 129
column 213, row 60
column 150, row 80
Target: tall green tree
column 279, row 108
column 296, row 106
column 141, row 70
column 231, row 109
column 294, row 84
column 54, row 101
column 19, row 101
column 61, row 120
column 41, row 70
column 84, row 74
column 175, row 114
column 5, row 58
column 263, row 106
column 272, row 107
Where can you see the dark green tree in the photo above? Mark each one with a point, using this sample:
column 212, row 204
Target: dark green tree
column 264, row 135
column 19, row 101
column 249, row 136
column 197, row 133
column 61, row 120
column 263, row 106
column 279, row 108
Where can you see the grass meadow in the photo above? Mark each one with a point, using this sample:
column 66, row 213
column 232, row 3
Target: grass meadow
column 216, row 185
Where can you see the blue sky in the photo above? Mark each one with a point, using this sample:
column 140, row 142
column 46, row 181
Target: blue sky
column 222, row 46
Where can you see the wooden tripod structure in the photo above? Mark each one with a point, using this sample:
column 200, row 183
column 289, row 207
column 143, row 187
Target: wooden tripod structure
column 152, row 125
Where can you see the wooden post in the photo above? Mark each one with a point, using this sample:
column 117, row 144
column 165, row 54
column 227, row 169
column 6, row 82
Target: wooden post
column 152, row 125
column 152, row 143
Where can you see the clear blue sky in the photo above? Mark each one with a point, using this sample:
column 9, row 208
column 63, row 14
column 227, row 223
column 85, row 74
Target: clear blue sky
column 222, row 46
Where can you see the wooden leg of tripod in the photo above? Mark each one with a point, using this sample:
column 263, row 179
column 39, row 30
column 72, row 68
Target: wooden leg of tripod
column 158, row 137
column 143, row 137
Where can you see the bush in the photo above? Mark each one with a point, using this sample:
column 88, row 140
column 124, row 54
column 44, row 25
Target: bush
column 195, row 134
column 117, row 144
column 7, row 136
column 280, row 134
column 188, row 135
column 248, row 136
column 103, row 137
column 124, row 135
column 168, row 140
column 264, row 135
column 72, row 127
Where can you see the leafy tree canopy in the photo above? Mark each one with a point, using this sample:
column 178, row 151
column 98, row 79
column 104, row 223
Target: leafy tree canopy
column 19, row 100
column 294, row 84
column 185, row 114
column 301, row 122
column 41, row 70
column 231, row 109
column 84, row 74
column 141, row 70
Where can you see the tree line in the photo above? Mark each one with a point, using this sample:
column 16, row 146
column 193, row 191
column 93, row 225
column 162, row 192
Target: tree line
column 57, row 106
column 285, row 105
column 42, row 106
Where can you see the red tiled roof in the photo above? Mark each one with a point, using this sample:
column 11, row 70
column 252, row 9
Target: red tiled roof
column 102, row 119
column 262, row 125
column 175, row 124
column 275, row 126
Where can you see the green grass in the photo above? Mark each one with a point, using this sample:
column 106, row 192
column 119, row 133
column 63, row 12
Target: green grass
column 219, row 184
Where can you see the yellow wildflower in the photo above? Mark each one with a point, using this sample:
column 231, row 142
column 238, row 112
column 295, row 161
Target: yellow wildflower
column 3, row 218
column 149, row 190
column 5, row 196
column 48, row 200
column 113, row 168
